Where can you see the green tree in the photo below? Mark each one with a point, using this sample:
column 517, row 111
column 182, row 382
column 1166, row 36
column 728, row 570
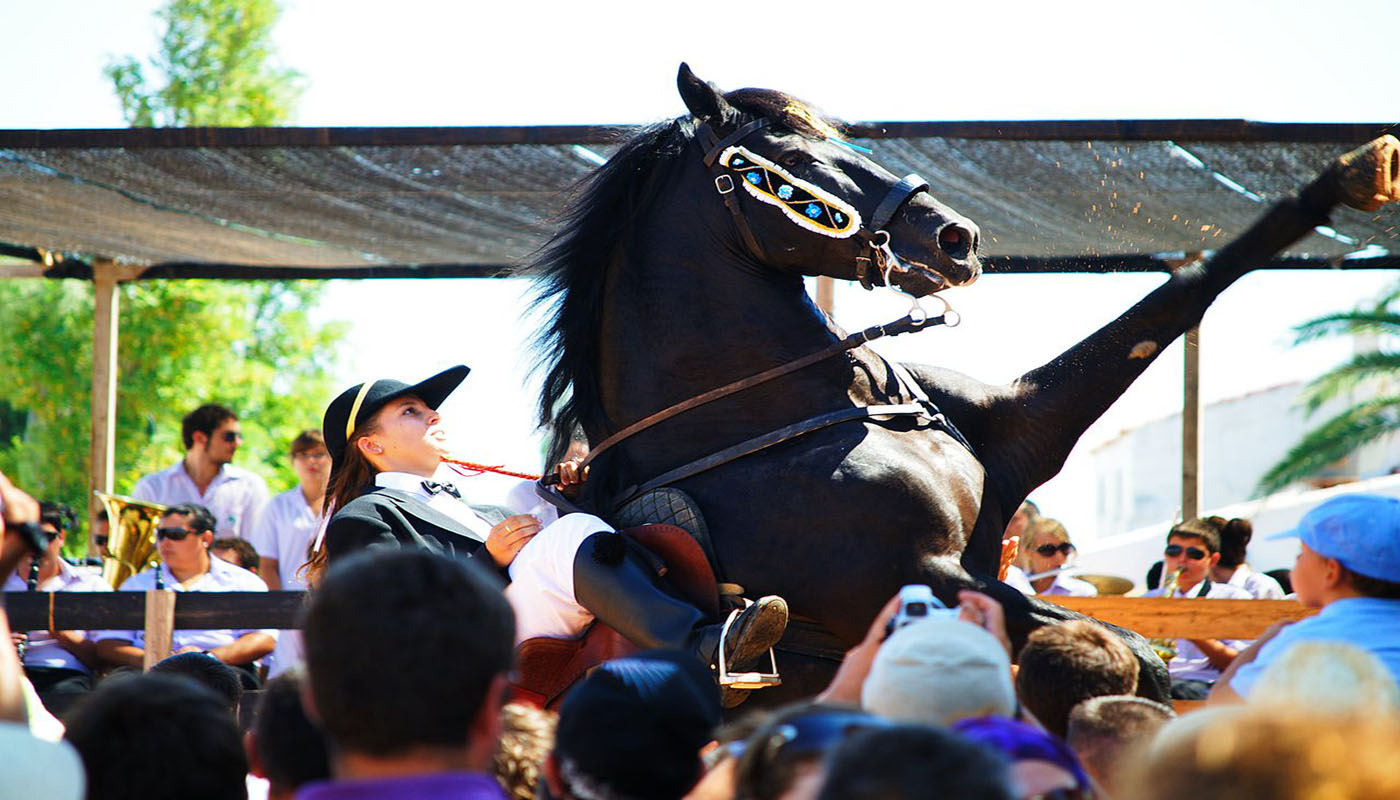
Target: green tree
column 1373, row 376
column 251, row 346
column 215, row 64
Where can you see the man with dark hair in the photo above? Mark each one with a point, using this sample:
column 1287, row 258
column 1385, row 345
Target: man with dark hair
column 1193, row 548
column 145, row 736
column 634, row 728
column 407, row 657
column 283, row 746
column 1349, row 567
column 1062, row 665
column 238, row 552
column 58, row 663
column 1106, row 731
column 207, row 476
column 911, row 762
column 184, row 536
column 207, row 671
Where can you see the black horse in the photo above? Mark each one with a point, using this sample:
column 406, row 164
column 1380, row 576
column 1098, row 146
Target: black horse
column 662, row 293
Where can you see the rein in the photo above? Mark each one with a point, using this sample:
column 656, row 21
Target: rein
column 906, row 324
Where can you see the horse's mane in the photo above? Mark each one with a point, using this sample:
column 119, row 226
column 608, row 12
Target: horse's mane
column 571, row 269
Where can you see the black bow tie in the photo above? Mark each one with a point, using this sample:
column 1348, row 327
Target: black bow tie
column 433, row 487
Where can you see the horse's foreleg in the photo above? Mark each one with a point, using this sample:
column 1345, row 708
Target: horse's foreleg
column 1051, row 406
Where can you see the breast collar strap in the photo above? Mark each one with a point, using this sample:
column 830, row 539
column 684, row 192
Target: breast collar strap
column 872, row 269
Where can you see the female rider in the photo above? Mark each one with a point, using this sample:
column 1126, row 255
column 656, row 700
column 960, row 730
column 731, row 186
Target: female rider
column 387, row 490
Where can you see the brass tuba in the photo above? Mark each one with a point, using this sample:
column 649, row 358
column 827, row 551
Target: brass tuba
column 131, row 542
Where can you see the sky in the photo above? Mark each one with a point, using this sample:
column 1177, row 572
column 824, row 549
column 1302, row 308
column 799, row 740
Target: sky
column 416, row 62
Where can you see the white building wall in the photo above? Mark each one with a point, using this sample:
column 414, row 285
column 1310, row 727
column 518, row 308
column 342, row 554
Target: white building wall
column 1139, row 472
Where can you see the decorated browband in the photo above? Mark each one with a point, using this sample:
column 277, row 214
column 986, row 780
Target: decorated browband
column 807, row 205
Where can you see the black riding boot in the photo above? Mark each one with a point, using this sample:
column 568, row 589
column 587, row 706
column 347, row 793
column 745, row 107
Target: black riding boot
column 621, row 591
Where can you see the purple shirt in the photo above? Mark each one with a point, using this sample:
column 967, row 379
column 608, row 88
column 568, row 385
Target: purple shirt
column 443, row 785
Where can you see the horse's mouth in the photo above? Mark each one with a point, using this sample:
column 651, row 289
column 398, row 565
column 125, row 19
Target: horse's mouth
column 917, row 279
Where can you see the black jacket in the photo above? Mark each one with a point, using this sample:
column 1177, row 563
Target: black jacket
column 388, row 518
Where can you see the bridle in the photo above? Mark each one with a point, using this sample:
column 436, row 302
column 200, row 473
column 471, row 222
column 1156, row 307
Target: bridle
column 873, row 267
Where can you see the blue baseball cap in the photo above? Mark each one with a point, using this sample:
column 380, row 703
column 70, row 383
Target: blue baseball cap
column 1362, row 531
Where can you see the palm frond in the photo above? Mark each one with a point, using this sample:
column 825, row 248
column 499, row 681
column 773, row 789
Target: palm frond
column 1361, row 369
column 1335, row 439
column 1378, row 321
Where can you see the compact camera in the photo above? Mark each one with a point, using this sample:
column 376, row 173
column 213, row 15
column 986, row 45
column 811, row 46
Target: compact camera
column 916, row 602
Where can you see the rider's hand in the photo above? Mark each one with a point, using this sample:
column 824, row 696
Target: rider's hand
column 571, row 477
column 18, row 508
column 986, row 613
column 508, row 536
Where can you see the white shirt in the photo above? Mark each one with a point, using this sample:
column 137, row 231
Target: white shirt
column 235, row 496
column 522, row 499
column 44, row 650
column 1062, row 585
column 1189, row 663
column 283, row 532
column 221, row 577
column 1259, row 585
column 453, row 507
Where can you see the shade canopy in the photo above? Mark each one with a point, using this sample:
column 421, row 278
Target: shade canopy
column 437, row 202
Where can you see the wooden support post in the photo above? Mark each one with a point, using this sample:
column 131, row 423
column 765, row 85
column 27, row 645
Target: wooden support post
column 826, row 295
column 104, row 381
column 160, row 626
column 1191, row 428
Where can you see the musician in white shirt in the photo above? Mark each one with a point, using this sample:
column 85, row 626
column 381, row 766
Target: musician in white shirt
column 183, row 538
column 207, row 476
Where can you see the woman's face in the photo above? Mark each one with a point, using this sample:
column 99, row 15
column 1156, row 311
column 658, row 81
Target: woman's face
column 409, row 438
column 1041, row 562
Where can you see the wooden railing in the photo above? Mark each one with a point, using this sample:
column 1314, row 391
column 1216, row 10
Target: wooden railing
column 1183, row 618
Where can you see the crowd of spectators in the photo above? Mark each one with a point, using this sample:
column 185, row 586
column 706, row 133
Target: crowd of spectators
column 408, row 656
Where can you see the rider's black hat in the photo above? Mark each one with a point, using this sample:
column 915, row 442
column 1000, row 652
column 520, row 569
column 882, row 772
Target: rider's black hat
column 359, row 402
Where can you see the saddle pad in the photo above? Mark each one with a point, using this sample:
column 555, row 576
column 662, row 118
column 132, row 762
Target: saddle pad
column 668, row 506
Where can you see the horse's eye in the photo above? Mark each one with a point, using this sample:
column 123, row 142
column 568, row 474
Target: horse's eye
column 791, row 159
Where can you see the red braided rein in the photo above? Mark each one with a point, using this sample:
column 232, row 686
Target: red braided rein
column 477, row 469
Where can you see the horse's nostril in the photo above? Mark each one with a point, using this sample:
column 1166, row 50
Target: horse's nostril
column 956, row 241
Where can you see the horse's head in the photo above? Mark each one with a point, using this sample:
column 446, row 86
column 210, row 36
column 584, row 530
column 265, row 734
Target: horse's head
column 806, row 202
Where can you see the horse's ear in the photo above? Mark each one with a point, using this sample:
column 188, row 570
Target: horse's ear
column 701, row 97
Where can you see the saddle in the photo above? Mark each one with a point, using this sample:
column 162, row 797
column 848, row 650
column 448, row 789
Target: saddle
column 546, row 668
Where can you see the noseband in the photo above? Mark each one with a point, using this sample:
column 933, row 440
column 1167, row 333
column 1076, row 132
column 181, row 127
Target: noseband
column 873, row 267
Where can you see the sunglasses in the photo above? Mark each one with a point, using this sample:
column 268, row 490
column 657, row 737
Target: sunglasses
column 1064, row 794
column 231, row 436
column 100, row 540
column 815, row 733
column 1063, row 548
column 1193, row 553
column 173, row 534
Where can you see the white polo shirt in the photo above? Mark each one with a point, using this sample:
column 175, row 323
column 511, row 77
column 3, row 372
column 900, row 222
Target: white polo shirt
column 44, row 650
column 235, row 496
column 1062, row 585
column 221, row 577
column 1259, row 585
column 1190, row 663
column 283, row 532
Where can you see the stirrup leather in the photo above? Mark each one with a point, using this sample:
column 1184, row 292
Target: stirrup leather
column 744, row 680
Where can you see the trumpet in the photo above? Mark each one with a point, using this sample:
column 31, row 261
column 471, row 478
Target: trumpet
column 1163, row 647
column 131, row 545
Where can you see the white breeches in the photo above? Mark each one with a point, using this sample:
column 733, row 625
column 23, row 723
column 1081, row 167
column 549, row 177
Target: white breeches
column 541, row 590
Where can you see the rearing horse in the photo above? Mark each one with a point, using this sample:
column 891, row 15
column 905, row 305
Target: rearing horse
column 670, row 276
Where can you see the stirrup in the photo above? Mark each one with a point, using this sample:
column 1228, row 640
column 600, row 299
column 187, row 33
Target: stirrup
column 745, row 680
